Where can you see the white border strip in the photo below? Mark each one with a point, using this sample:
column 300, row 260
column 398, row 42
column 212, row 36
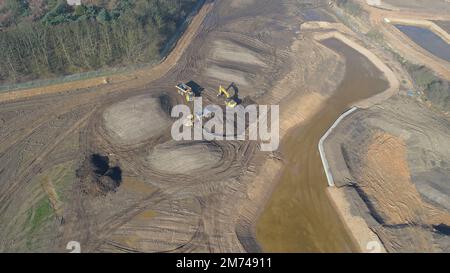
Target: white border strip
column 326, row 166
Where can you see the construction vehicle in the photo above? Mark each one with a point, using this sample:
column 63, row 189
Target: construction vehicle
column 186, row 91
column 229, row 100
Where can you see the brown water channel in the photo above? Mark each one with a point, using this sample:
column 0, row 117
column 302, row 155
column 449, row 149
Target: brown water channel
column 299, row 217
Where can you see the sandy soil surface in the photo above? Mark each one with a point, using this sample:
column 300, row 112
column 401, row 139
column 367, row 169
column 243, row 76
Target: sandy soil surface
column 136, row 119
column 143, row 192
column 390, row 164
column 229, row 75
column 200, row 155
column 229, row 51
column 95, row 162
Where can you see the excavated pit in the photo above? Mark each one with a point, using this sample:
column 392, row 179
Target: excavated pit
column 98, row 177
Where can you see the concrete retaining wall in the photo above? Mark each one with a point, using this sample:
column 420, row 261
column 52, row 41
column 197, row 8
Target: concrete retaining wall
column 326, row 166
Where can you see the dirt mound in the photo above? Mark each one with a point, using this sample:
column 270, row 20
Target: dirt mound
column 186, row 157
column 97, row 175
column 136, row 119
column 167, row 103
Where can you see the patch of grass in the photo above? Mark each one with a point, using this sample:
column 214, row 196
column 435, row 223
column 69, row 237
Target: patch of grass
column 435, row 89
column 422, row 76
column 375, row 34
column 351, row 7
column 39, row 214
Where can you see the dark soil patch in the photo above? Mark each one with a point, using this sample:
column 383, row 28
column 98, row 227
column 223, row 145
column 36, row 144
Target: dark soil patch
column 98, row 177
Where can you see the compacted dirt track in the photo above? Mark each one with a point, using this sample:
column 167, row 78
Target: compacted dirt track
column 97, row 164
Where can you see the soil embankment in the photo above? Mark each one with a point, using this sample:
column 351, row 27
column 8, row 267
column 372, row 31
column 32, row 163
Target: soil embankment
column 390, row 164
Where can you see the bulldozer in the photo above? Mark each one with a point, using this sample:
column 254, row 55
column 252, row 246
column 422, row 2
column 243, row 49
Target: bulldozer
column 186, row 91
column 230, row 101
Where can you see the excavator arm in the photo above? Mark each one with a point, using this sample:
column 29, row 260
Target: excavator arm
column 223, row 92
column 229, row 100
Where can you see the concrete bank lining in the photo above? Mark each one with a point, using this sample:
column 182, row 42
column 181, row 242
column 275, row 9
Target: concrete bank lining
column 356, row 225
column 366, row 103
column 326, row 166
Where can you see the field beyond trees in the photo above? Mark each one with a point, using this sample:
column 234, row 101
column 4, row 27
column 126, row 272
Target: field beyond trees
column 48, row 38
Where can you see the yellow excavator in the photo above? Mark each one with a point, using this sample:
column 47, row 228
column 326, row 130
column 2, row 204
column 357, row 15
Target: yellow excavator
column 186, row 91
column 229, row 100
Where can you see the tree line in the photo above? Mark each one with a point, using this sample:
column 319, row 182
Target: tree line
column 69, row 40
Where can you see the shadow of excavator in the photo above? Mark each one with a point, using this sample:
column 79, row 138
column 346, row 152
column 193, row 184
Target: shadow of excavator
column 235, row 95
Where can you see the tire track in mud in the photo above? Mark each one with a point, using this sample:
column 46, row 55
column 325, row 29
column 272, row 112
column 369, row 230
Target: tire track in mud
column 36, row 165
column 223, row 180
column 234, row 159
column 26, row 130
column 218, row 190
column 119, row 219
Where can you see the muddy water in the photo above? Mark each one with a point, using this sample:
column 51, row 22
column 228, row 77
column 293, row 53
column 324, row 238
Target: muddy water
column 299, row 217
column 428, row 40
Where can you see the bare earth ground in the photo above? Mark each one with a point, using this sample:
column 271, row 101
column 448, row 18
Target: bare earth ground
column 390, row 161
column 393, row 166
column 183, row 197
column 154, row 195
